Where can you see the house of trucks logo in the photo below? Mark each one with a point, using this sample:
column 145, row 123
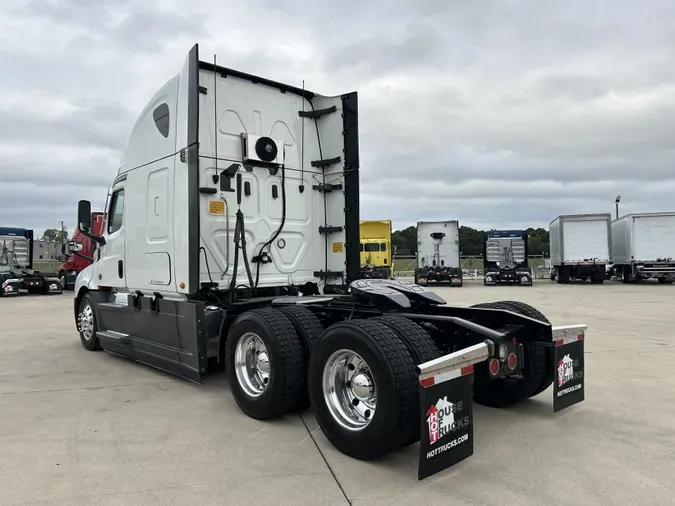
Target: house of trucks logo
column 566, row 370
column 441, row 419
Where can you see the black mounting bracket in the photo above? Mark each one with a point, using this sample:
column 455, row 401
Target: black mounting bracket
column 327, row 187
column 317, row 113
column 325, row 163
column 136, row 300
column 226, row 178
column 263, row 258
column 329, row 230
column 154, row 302
column 328, row 274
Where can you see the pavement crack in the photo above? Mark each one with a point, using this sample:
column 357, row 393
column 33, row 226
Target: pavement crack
column 325, row 461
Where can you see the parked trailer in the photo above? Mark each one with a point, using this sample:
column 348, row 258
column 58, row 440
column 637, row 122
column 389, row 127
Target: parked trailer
column 227, row 270
column 643, row 247
column 505, row 258
column 376, row 254
column 580, row 246
column 16, row 265
column 438, row 259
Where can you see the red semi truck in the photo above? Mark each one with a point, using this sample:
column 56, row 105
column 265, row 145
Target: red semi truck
column 81, row 251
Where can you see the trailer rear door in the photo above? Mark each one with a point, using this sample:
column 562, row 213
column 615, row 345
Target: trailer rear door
column 653, row 237
column 584, row 240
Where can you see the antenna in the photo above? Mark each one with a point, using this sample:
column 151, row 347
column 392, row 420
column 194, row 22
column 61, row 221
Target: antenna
column 215, row 111
column 302, row 142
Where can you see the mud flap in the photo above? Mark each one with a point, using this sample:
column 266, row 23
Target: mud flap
column 446, row 409
column 568, row 383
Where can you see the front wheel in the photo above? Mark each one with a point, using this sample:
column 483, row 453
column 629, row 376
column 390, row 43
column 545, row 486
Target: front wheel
column 363, row 389
column 87, row 325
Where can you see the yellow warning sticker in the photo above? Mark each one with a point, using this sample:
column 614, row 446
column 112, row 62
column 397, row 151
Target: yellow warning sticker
column 216, row 207
column 338, row 247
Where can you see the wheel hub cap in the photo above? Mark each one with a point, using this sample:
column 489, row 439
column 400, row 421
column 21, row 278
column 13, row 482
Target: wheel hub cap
column 362, row 386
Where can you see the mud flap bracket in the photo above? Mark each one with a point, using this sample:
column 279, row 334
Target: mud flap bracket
column 446, row 409
column 568, row 382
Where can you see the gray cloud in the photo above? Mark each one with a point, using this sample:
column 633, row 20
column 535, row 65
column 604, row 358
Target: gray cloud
column 494, row 113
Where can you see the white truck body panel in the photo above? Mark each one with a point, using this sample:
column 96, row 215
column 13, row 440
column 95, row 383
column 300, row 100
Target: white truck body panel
column 444, row 251
column 643, row 238
column 162, row 177
column 580, row 239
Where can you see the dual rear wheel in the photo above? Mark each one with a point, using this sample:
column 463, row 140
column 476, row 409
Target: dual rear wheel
column 358, row 375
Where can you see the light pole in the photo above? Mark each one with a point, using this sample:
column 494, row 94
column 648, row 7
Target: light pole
column 618, row 199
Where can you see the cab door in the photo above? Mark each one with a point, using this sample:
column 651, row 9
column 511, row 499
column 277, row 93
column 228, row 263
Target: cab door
column 111, row 263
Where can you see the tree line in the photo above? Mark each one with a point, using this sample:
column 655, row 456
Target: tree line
column 470, row 241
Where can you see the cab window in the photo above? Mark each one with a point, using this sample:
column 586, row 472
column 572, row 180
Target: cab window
column 383, row 246
column 372, row 246
column 361, row 245
column 116, row 212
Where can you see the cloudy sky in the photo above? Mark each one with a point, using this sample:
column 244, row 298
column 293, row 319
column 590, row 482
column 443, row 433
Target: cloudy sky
column 496, row 113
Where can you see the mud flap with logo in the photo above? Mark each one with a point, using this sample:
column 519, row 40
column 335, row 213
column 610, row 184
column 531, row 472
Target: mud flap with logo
column 568, row 383
column 446, row 409
column 446, row 406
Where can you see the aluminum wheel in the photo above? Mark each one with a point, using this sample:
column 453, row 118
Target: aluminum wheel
column 349, row 390
column 252, row 364
column 85, row 321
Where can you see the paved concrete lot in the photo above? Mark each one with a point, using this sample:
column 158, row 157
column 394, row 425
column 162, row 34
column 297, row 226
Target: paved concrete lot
column 90, row 428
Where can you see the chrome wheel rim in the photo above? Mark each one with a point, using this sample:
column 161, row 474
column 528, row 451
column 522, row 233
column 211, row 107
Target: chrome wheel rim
column 349, row 390
column 252, row 365
column 86, row 322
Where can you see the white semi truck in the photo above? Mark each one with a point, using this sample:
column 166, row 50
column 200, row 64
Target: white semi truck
column 580, row 247
column 438, row 259
column 643, row 247
column 232, row 238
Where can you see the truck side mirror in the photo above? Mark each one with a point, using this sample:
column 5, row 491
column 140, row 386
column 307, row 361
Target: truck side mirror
column 74, row 246
column 84, row 215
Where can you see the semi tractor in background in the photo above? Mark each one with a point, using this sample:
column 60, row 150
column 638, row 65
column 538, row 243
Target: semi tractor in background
column 16, row 265
column 376, row 250
column 580, row 247
column 505, row 258
column 80, row 253
column 643, row 247
column 438, row 255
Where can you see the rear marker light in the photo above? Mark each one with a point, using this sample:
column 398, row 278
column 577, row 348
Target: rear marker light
column 494, row 367
column 511, row 361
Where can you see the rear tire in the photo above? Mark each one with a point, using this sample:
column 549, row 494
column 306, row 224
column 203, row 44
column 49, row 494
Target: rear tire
column 420, row 346
column 264, row 363
column 389, row 379
column 87, row 326
column 309, row 329
column 537, row 374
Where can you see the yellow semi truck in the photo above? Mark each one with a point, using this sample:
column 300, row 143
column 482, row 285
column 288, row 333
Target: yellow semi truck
column 376, row 254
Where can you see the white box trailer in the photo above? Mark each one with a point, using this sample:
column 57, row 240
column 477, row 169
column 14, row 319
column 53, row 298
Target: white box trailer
column 438, row 253
column 643, row 246
column 580, row 246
